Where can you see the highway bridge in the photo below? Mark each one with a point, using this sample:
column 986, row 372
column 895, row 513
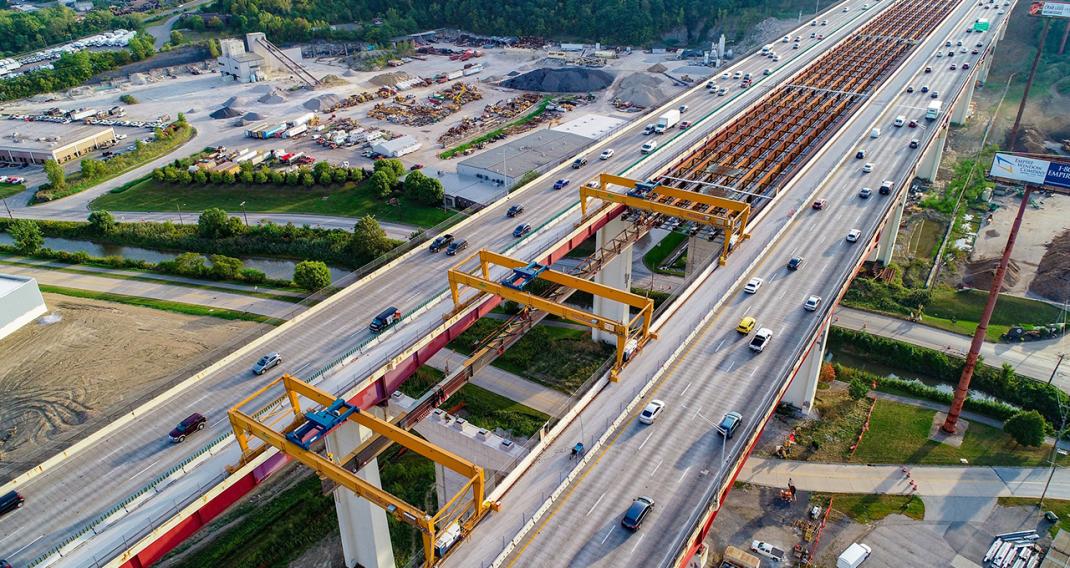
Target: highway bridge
column 124, row 495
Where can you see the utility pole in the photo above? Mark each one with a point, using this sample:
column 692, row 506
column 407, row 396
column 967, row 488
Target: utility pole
column 244, row 214
column 1054, row 449
column 8, row 209
column 1056, row 369
column 179, row 207
column 1028, row 85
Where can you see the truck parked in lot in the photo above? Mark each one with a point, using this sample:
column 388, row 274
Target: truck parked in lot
column 933, row 112
column 667, row 121
column 767, row 550
column 736, row 558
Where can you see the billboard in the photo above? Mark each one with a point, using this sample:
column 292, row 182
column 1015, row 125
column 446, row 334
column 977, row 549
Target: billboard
column 1051, row 9
column 1031, row 170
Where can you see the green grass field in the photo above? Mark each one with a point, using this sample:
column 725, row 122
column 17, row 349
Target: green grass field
column 347, row 200
column 960, row 311
column 1058, row 506
column 656, row 255
column 7, row 190
column 868, row 508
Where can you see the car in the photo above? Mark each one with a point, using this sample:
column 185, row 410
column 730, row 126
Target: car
column 761, row 339
column 683, row 109
column 592, row 184
column 958, row 43
column 795, row 262
column 979, row 45
column 867, row 167
column 767, row 71
column 912, row 124
column 965, row 66
column 579, row 163
column 561, row 183
column 752, row 285
column 853, row 235
column 193, row 423
column 729, row 424
column 648, row 129
column 939, row 53
column 648, row 147
column 928, row 69
column 812, row 303
column 633, row 517
column 886, row 187
column 746, row 325
column 865, row 192
column 813, row 35
column 813, row 22
column 925, row 88
column 975, row 52
column 795, row 46
column 947, row 43
column 859, row 155
column 951, row 53
column 684, row 125
column 415, row 167
column 10, row 501
column 737, row 75
column 521, row 230
column 711, row 85
column 266, row 362
column 651, row 412
column 722, row 92
column 514, row 210
column 820, row 204
column 440, row 243
column 962, row 50
column 914, row 143
column 899, row 121
column 910, row 88
column 456, row 247
column 606, row 154
column 824, row 22
column 953, row 67
column 934, row 95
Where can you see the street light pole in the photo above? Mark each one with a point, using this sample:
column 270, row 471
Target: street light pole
column 179, row 207
column 244, row 214
column 8, row 209
column 1054, row 449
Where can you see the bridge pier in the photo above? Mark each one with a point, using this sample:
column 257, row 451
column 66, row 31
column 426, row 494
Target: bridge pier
column 886, row 241
column 365, row 534
column 803, row 387
column 982, row 73
column 962, row 106
column 929, row 165
column 616, row 273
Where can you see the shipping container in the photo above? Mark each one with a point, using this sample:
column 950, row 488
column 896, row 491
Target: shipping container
column 477, row 68
column 303, row 119
column 296, row 131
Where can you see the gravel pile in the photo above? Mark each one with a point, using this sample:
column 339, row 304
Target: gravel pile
column 564, row 80
column 253, row 116
column 226, row 112
column 641, row 90
column 389, row 79
column 322, row 102
column 233, row 101
column 657, row 68
column 272, row 97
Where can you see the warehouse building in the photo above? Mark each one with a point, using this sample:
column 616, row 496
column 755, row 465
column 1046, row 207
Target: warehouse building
column 20, row 303
column 36, row 142
column 397, row 147
column 536, row 152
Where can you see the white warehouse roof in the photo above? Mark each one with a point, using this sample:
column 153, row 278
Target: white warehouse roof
column 593, row 126
column 397, row 147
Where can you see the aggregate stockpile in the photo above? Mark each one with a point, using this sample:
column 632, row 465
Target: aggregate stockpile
column 406, row 110
column 563, row 80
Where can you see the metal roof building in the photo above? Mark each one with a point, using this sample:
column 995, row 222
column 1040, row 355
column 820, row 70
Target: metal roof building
column 536, row 152
column 20, row 303
column 35, row 142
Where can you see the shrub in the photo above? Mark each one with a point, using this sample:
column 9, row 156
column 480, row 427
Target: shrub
column 858, row 388
column 252, row 275
column 27, row 235
column 214, row 224
column 101, row 222
column 128, row 99
column 312, row 275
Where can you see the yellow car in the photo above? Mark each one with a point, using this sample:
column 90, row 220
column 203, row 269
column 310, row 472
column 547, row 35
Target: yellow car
column 746, row 325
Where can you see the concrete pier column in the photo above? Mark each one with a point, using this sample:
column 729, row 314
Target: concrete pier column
column 982, row 73
column 962, row 105
column 616, row 273
column 803, row 387
column 886, row 243
column 930, row 162
column 365, row 534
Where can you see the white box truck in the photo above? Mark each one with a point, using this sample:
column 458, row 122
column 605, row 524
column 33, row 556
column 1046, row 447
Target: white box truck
column 933, row 112
column 667, row 121
column 854, row 556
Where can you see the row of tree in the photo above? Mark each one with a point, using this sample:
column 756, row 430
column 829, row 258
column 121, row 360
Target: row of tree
column 27, row 31
column 74, row 69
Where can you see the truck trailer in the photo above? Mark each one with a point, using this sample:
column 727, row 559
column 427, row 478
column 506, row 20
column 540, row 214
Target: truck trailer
column 933, row 111
column 667, row 121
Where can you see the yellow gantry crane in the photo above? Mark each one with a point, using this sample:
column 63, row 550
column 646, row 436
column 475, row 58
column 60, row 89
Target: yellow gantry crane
column 729, row 215
column 299, row 440
column 631, row 335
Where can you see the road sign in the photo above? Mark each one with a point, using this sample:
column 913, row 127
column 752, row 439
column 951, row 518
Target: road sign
column 1051, row 9
column 1031, row 170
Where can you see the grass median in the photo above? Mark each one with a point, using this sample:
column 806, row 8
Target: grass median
column 869, row 508
column 7, row 190
column 344, row 200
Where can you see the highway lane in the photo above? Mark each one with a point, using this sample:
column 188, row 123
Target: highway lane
column 62, row 499
column 679, row 459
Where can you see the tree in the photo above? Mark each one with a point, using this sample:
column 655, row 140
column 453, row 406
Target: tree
column 188, row 264
column 200, row 177
column 181, row 119
column 101, row 222
column 246, row 177
column 260, row 177
column 224, row 267
column 177, row 38
column 393, row 167
column 27, row 235
column 828, row 373
column 214, row 224
column 1026, row 427
column 858, row 389
column 307, row 180
column 213, row 48
column 56, row 177
column 312, row 275
column 413, row 183
column 381, row 184
column 356, row 174
column 368, row 240
column 430, row 192
column 128, row 99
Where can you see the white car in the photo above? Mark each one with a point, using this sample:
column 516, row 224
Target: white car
column 853, row 235
column 753, row 285
column 867, row 168
column 651, row 412
column 606, row 154
column 812, row 303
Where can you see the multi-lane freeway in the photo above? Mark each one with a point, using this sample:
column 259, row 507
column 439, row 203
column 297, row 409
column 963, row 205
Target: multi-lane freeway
column 64, row 497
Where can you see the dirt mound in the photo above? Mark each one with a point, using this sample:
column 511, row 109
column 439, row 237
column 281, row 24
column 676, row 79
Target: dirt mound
column 1053, row 273
column 564, row 80
column 979, row 274
column 641, row 90
column 233, row 101
column 272, row 97
column 333, row 81
column 390, row 79
column 322, row 102
column 226, row 112
column 657, row 68
column 1030, row 139
column 253, row 116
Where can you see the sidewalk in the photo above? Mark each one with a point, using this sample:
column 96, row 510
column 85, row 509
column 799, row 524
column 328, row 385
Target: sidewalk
column 938, row 481
column 504, row 383
column 162, row 291
column 1034, row 359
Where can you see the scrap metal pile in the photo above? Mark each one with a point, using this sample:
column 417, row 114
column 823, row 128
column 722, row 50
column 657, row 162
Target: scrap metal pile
column 492, row 116
column 406, row 110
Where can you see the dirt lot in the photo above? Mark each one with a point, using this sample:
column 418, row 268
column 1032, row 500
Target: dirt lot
column 60, row 381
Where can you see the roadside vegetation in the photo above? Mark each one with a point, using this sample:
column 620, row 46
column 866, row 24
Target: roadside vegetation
column 71, row 69
column 95, row 172
column 654, row 257
column 869, row 508
column 177, row 307
column 1060, row 507
column 21, row 32
column 9, row 189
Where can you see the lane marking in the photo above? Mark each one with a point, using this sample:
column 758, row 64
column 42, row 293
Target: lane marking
column 652, row 472
column 640, row 539
column 146, row 469
column 595, row 504
column 645, row 440
column 27, row 545
column 684, row 474
column 720, row 344
column 609, row 532
column 685, row 389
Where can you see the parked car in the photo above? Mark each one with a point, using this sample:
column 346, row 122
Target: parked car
column 651, row 412
column 456, row 247
column 193, row 423
column 440, row 243
column 514, row 210
column 636, row 513
column 521, row 230
column 729, row 424
column 266, row 362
